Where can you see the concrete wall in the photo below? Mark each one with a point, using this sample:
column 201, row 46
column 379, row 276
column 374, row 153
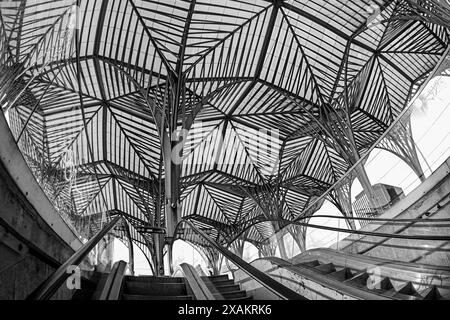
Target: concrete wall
column 34, row 240
column 23, row 264
column 426, row 198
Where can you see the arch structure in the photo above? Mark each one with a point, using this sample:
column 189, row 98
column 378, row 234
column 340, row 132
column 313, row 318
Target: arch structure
column 225, row 113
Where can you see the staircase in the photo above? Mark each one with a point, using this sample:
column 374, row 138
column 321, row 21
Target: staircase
column 381, row 285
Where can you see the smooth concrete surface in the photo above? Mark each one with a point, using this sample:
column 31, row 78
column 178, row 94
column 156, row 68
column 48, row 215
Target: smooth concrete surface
column 426, row 198
column 29, row 249
column 34, row 240
column 15, row 165
column 22, row 272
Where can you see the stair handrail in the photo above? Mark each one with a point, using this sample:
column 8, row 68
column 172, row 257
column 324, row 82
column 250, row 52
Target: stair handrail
column 48, row 288
column 265, row 280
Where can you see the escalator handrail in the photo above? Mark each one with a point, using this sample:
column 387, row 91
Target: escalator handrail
column 265, row 280
column 114, row 283
column 196, row 284
column 48, row 288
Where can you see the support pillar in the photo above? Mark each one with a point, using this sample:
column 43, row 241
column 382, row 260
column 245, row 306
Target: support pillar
column 367, row 186
column 158, row 259
column 299, row 236
column 169, row 254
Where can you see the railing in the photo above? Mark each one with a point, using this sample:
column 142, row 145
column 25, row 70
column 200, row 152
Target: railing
column 48, row 288
column 188, row 230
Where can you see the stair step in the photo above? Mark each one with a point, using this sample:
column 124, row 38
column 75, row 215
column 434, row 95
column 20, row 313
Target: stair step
column 154, row 288
column 149, row 297
column 325, row 268
column 342, row 274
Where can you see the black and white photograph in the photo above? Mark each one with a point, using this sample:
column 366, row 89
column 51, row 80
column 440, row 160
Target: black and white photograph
column 244, row 151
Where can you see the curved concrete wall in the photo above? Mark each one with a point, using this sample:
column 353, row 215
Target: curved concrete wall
column 34, row 239
column 15, row 165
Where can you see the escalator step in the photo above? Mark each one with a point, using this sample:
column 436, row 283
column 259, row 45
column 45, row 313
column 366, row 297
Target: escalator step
column 342, row 274
column 219, row 284
column 221, row 289
column 83, row 295
column 382, row 286
column 247, row 297
column 444, row 297
column 408, row 289
column 359, row 279
column 406, row 292
column 311, row 264
column 223, row 277
column 147, row 297
column 431, row 293
column 153, row 279
column 154, row 288
column 325, row 268
column 232, row 295
column 395, row 294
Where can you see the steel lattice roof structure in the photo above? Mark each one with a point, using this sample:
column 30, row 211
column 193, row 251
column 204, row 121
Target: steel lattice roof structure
column 102, row 83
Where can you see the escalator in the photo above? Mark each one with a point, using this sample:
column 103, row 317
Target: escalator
column 332, row 275
column 316, row 274
column 115, row 285
column 100, row 286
